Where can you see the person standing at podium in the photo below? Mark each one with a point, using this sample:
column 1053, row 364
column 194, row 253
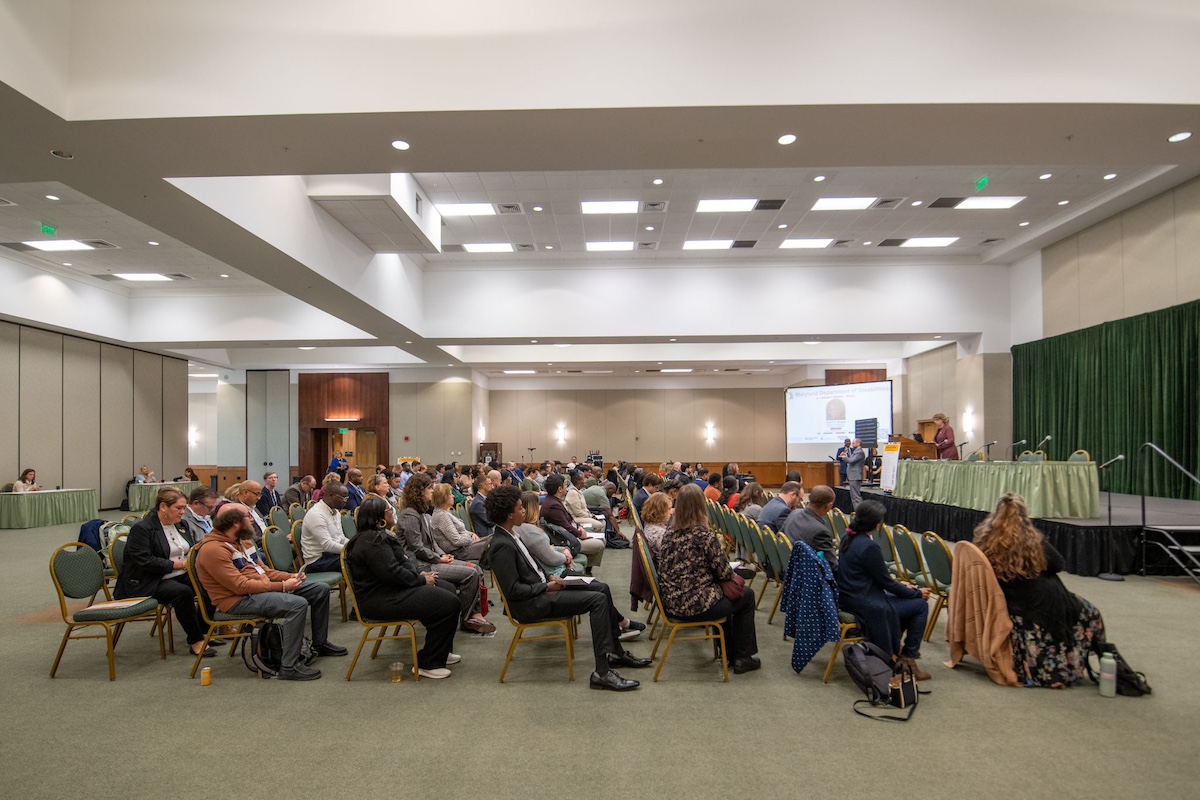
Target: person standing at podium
column 944, row 438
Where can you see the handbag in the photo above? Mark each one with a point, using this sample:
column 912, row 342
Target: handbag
column 734, row 588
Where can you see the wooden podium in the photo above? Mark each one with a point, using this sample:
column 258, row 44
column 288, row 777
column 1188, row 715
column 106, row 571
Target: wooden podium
column 911, row 448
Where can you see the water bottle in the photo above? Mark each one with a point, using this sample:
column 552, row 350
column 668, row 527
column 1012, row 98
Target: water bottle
column 1108, row 675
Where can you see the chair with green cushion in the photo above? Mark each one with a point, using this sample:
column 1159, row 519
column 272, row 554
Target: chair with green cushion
column 331, row 579
column 295, row 513
column 8, row 487
column 848, row 633
column 242, row 624
column 1038, row 455
column 939, row 563
column 783, row 554
column 279, row 519
column 349, row 526
column 1026, row 456
column 116, row 557
column 912, row 566
column 78, row 573
column 762, row 560
column 883, row 538
column 1079, row 455
column 278, row 550
column 369, row 625
column 839, row 521
column 976, row 456
column 464, row 513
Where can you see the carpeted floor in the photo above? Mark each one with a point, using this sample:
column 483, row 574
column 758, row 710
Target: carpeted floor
column 771, row 734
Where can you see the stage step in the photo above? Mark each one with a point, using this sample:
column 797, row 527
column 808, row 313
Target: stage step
column 1174, row 528
column 1170, row 539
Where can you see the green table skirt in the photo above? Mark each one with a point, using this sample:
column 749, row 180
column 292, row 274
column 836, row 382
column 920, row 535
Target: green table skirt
column 141, row 495
column 49, row 507
column 1052, row 489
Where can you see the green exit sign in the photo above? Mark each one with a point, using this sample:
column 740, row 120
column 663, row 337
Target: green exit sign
column 981, row 183
column 49, row 230
column 343, row 431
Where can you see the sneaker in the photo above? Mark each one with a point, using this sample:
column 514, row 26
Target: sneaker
column 434, row 674
column 453, row 658
column 299, row 673
column 631, row 631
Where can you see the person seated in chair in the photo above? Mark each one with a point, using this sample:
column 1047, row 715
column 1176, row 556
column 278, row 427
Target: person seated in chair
column 577, row 506
column 555, row 513
column 532, row 595
column 321, row 535
column 237, row 584
column 868, row 591
column 777, row 509
column 449, row 531
column 810, row 524
column 299, row 493
column 27, row 482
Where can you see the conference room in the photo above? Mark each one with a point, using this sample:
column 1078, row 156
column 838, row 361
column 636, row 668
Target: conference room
column 244, row 240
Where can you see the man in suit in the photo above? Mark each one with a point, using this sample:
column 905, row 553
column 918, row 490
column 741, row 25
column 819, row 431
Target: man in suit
column 842, row 452
column 354, row 489
column 810, row 524
column 854, row 460
column 268, row 498
column 156, row 564
column 533, row 596
column 198, row 516
column 479, row 519
column 300, row 492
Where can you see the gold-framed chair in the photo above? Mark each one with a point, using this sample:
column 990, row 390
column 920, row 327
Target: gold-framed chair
column 242, row 624
column 848, row 633
column 370, row 625
column 78, row 573
column 129, row 519
column 567, row 624
column 1080, row 455
column 712, row 630
column 333, row 580
column 279, row 518
column 938, row 559
column 976, row 456
column 116, row 558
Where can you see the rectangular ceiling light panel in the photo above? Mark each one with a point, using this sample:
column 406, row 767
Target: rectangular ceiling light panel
column 843, row 203
column 708, row 244
column 141, row 276
column 804, row 244
column 466, row 209
column 606, row 247
column 719, row 206
column 931, row 241
column 988, row 202
column 494, row 247
column 609, row 206
column 58, row 245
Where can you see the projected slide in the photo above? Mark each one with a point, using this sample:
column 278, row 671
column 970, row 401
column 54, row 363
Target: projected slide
column 818, row 418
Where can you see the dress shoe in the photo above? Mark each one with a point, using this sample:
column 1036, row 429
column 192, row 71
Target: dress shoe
column 742, row 665
column 917, row 672
column 478, row 626
column 628, row 659
column 631, row 631
column 207, row 653
column 453, row 658
column 436, row 674
column 217, row 642
column 299, row 673
column 611, row 681
column 329, row 649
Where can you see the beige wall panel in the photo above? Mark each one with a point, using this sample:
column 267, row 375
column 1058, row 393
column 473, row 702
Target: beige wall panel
column 709, row 406
column 503, row 425
column 81, row 417
column 431, row 414
column 202, row 414
column 459, row 424
column 1187, row 241
column 116, row 423
column 618, row 425
column 480, row 413
column 147, row 412
column 969, row 382
column 590, row 421
column 649, row 422
column 534, row 428
column 1060, row 287
column 1102, row 285
column 42, row 405
column 682, row 439
column 769, row 432
column 10, row 401
column 560, row 410
column 402, row 419
column 900, row 415
column 997, row 402
column 739, row 425
column 175, row 418
column 1149, row 255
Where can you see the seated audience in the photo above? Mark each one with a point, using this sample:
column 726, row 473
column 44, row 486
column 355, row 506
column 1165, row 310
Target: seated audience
column 189, row 474
column 692, row 566
column 1053, row 629
column 145, row 475
column 577, row 506
column 449, row 531
column 268, row 498
column 479, row 521
column 778, row 507
column 650, row 484
column 388, row 585
column 867, row 590
column 321, row 535
column 27, row 482
column 553, row 560
column 729, row 493
column 299, row 493
column 702, row 480
column 354, row 489
column 248, row 494
column 656, row 513
column 330, row 477
column 751, row 501
column 555, row 513
column 713, row 490
column 238, row 583
column 198, row 517
column 156, row 564
column 413, row 528
column 533, row 595
column 810, row 524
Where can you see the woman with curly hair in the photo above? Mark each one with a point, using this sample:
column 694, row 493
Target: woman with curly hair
column 1053, row 629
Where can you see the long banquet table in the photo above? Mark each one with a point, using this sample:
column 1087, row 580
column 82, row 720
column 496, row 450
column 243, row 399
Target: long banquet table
column 1052, row 489
column 46, row 507
column 141, row 495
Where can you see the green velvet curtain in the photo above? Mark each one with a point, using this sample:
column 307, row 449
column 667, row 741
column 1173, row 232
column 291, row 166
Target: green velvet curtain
column 1109, row 388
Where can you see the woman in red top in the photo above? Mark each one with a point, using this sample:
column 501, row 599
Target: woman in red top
column 944, row 438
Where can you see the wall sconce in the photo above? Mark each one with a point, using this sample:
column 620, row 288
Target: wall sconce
column 562, row 433
column 968, row 422
column 482, row 432
column 710, row 433
column 193, row 436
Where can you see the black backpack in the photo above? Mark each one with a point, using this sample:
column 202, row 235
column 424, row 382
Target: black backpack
column 882, row 680
column 263, row 654
column 1129, row 682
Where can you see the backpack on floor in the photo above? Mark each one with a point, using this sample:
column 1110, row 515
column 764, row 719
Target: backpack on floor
column 1129, row 682
column 264, row 652
column 883, row 681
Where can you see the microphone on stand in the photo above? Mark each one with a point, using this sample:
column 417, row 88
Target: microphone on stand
column 1112, row 461
column 1012, row 448
column 1043, row 441
column 960, row 448
column 1110, row 575
column 988, row 448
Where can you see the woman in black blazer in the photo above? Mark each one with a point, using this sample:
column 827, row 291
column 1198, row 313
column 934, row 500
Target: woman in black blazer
column 156, row 564
column 387, row 586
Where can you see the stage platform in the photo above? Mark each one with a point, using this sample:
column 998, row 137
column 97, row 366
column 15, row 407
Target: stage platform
column 1084, row 543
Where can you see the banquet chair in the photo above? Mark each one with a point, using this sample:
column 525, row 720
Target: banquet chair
column 939, row 565
column 1079, row 455
column 369, row 625
column 567, row 624
column 241, row 624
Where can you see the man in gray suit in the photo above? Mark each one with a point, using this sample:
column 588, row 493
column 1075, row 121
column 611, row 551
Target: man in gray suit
column 855, row 460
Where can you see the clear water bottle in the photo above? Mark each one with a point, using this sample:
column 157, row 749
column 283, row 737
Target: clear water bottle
column 1108, row 675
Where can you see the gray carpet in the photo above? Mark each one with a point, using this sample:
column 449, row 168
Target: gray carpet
column 771, row 734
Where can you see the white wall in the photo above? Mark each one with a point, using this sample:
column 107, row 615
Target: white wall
column 1025, row 299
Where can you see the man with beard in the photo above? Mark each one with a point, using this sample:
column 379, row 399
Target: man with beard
column 238, row 583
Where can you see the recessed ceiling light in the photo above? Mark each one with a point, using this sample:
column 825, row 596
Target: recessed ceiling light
column 804, row 244
column 672, row 340
column 787, row 138
column 1022, row 224
column 812, row 342
column 202, row 374
column 649, row 227
column 306, row 348
column 938, row 336
column 63, row 154
column 1179, row 137
column 449, row 365
column 223, row 275
column 549, row 247
column 533, row 341
column 770, row 362
column 465, row 209
column 1110, row 176
column 488, row 247
column 558, row 372
column 400, row 144
column 867, row 243
column 55, row 197
column 538, row 208
column 609, row 206
column 843, row 203
column 564, row 344
column 708, row 244
column 658, row 181
column 723, row 206
column 408, row 342
column 141, row 276
column 636, row 371
column 58, row 245
column 989, row 202
column 1045, row 176
column 1063, row 202
column 520, row 372
column 604, row 247
column 782, row 227
column 916, row 202
column 930, row 241
column 677, row 370
column 66, row 263
column 819, row 178
column 659, row 363
column 152, row 244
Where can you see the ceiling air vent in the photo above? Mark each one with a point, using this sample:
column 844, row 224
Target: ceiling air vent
column 179, row 276
column 946, row 202
column 656, row 206
column 99, row 244
column 524, row 247
column 654, row 370
column 743, row 243
column 4, row 202
column 887, row 202
column 892, row 242
column 842, row 243
column 990, row 242
column 509, row 208
column 647, row 246
column 733, row 369
column 574, row 372
column 453, row 248
column 768, row 205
